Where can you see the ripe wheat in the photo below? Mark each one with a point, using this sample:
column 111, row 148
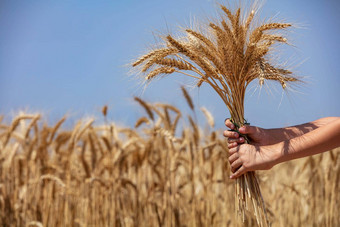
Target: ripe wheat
column 105, row 175
column 228, row 57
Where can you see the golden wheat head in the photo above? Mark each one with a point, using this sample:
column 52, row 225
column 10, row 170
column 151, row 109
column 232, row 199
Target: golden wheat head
column 229, row 55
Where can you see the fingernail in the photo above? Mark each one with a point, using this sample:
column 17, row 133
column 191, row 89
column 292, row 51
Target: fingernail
column 231, row 177
column 232, row 126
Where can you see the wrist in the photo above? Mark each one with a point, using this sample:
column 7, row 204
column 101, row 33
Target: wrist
column 276, row 153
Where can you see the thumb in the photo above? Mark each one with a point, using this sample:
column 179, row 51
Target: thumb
column 247, row 129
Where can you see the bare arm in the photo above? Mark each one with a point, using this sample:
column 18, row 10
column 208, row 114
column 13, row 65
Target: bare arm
column 281, row 134
column 260, row 136
column 244, row 158
column 317, row 141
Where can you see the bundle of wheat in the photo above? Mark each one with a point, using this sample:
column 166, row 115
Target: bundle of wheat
column 228, row 56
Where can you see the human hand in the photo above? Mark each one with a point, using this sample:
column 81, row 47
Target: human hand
column 258, row 136
column 246, row 157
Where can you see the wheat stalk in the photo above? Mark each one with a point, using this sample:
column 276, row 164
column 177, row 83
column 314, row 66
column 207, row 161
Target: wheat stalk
column 188, row 98
column 231, row 55
column 147, row 177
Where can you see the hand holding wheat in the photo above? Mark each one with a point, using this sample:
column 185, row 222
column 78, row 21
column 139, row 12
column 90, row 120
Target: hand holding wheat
column 257, row 135
column 286, row 144
column 245, row 157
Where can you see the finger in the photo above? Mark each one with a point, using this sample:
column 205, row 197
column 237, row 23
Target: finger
column 235, row 165
column 232, row 145
column 229, row 124
column 238, row 140
column 247, row 129
column 233, row 158
column 231, row 134
column 233, row 150
column 238, row 173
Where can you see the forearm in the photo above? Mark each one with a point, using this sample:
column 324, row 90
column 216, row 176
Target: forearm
column 282, row 134
column 322, row 139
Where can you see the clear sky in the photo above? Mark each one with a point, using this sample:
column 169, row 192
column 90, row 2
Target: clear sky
column 65, row 56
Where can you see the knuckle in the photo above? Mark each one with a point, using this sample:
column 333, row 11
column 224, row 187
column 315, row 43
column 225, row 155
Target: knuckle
column 246, row 165
column 244, row 161
column 230, row 159
column 242, row 151
column 231, row 145
column 231, row 134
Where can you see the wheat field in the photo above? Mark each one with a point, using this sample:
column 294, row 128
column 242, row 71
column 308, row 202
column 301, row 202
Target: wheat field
column 168, row 170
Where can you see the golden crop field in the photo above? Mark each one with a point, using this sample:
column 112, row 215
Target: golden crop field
column 167, row 171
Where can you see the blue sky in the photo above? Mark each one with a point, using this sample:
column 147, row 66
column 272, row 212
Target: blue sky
column 60, row 57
